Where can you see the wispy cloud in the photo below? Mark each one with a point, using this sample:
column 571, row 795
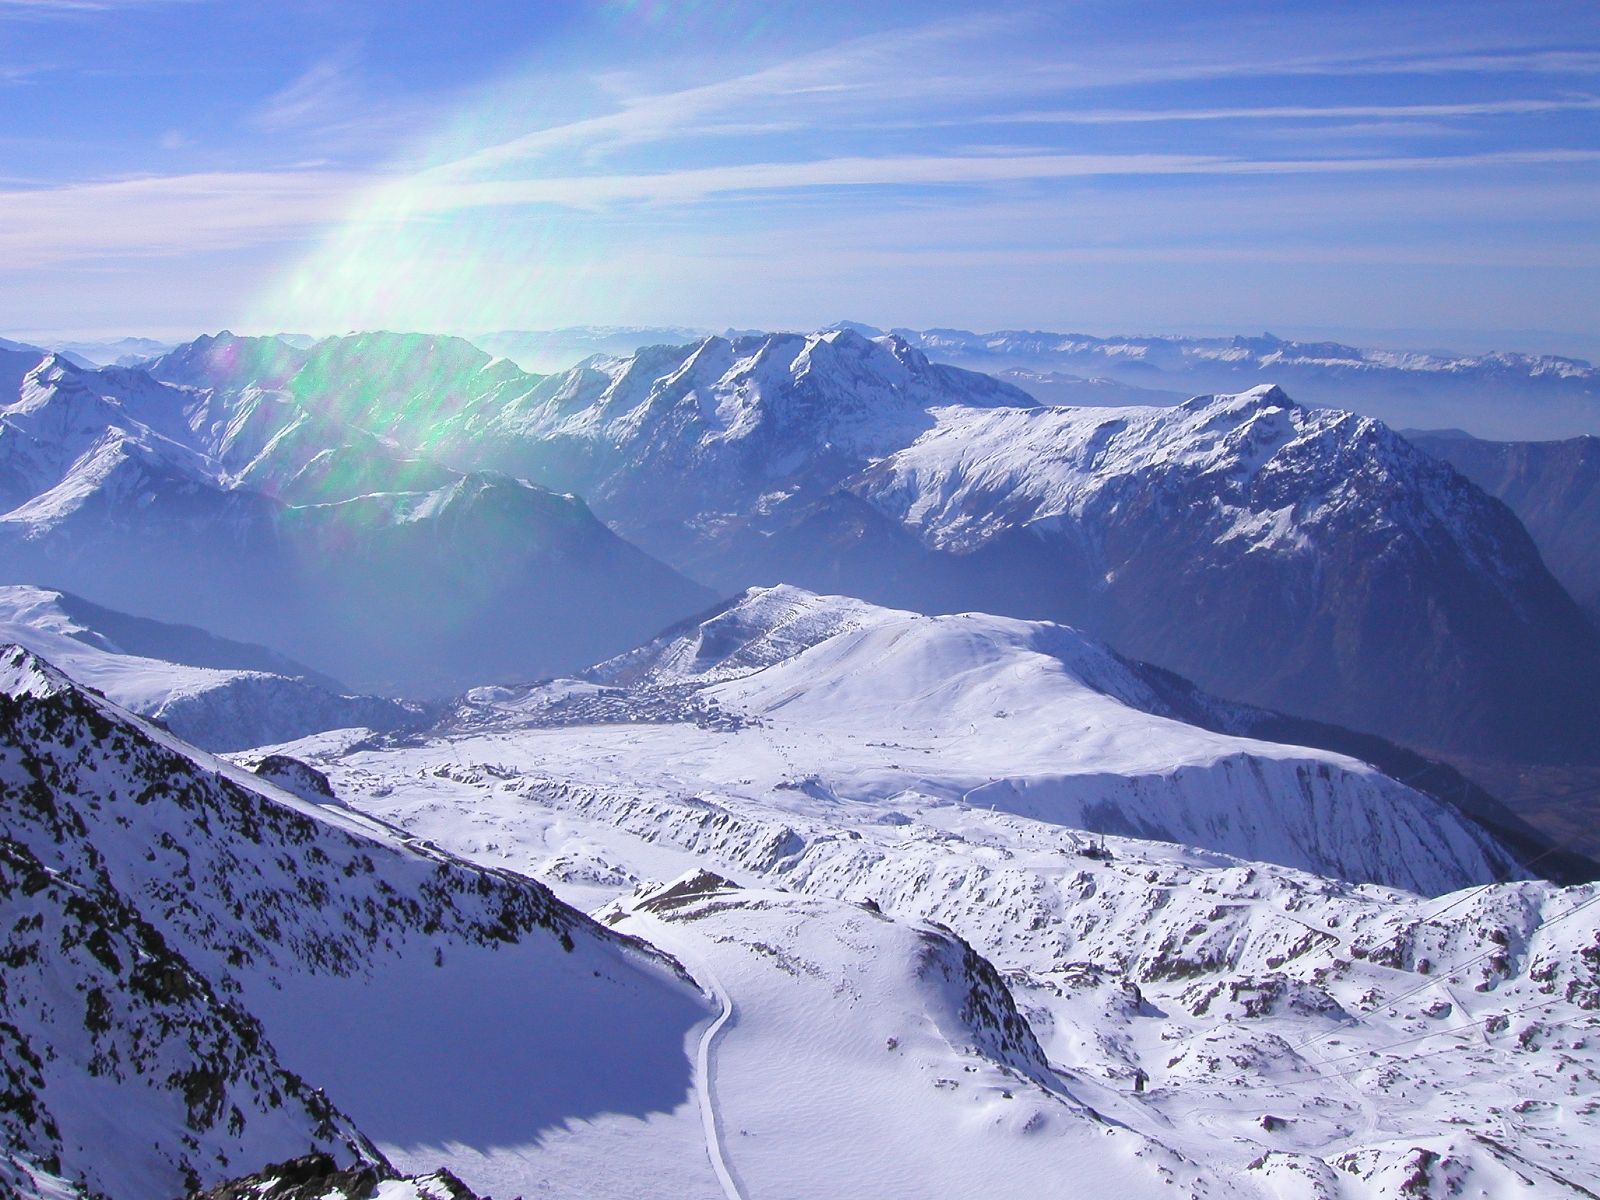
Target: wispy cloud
column 1194, row 67
column 22, row 72
column 332, row 109
column 1301, row 112
column 322, row 94
column 40, row 10
column 167, row 214
column 1197, row 142
column 185, row 212
column 443, row 191
column 945, row 74
column 839, row 79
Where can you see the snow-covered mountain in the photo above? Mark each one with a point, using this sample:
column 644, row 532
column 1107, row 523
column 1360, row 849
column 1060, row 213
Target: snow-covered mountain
column 238, row 509
column 857, row 775
column 215, row 694
column 206, row 973
column 854, row 704
column 1553, row 487
column 845, row 464
column 401, row 388
column 16, row 360
column 828, row 460
column 1307, row 560
column 944, row 905
column 1501, row 395
column 684, row 447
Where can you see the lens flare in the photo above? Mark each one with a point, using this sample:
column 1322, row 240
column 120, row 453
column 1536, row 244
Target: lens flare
column 510, row 213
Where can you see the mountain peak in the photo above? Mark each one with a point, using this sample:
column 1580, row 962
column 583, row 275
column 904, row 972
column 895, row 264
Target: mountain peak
column 24, row 673
column 55, row 367
column 866, row 331
column 1260, row 398
column 1266, row 393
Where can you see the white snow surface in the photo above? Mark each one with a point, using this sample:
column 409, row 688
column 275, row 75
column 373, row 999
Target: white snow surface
column 890, row 1048
column 917, row 982
column 1280, row 473
column 858, row 702
column 1297, row 1034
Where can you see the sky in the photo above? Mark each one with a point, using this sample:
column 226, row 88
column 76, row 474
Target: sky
column 1402, row 174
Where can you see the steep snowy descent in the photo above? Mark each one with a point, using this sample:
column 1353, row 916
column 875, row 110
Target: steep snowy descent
column 868, row 1056
column 327, row 939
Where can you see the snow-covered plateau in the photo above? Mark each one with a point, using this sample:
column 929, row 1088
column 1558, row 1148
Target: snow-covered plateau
column 821, row 808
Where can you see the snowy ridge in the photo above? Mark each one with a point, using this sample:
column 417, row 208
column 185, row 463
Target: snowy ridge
column 269, row 494
column 1035, row 719
column 1287, row 531
column 218, row 709
column 65, row 422
column 297, row 919
column 1281, row 475
column 757, row 629
column 722, row 423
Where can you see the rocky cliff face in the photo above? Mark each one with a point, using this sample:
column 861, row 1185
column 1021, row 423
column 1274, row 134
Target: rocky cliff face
column 1553, row 487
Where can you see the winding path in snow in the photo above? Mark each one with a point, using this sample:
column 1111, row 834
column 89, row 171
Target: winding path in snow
column 704, row 1081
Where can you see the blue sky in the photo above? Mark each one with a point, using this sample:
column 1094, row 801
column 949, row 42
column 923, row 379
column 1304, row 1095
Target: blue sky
column 1425, row 174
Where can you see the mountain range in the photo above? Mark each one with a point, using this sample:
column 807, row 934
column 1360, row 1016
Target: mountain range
column 1500, row 395
column 1071, row 826
column 263, row 522
column 1505, row 395
column 1327, row 568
